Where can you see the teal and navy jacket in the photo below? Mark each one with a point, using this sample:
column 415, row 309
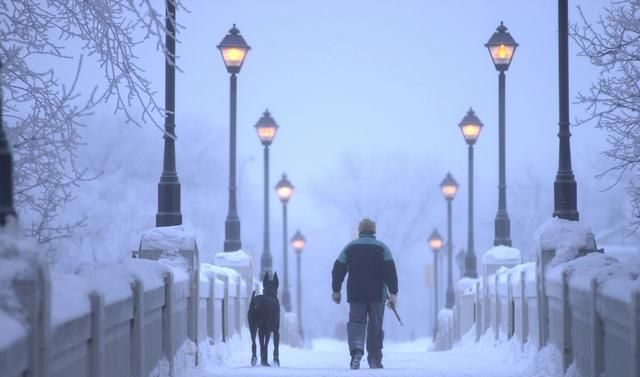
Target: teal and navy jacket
column 370, row 267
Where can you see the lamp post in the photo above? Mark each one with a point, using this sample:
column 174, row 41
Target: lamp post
column 470, row 127
column 501, row 48
column 266, row 128
column 234, row 50
column 284, row 189
column 460, row 261
column 169, row 186
column 298, row 242
column 449, row 188
column 6, row 172
column 564, row 187
column 435, row 243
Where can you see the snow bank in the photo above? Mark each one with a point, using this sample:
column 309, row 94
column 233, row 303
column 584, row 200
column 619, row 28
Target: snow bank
column 207, row 269
column 564, row 236
column 12, row 329
column 502, row 255
column 170, row 239
column 233, row 259
column 581, row 270
column 467, row 286
column 19, row 260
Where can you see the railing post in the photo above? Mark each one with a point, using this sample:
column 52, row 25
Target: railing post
column 596, row 333
column 524, row 329
column 238, row 310
column 478, row 312
column 496, row 320
column 97, row 344
column 510, row 314
column 211, row 308
column 137, row 338
column 635, row 331
column 167, row 338
column 225, row 310
column 566, row 322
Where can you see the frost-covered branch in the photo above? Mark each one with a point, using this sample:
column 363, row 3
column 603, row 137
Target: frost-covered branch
column 45, row 111
column 612, row 44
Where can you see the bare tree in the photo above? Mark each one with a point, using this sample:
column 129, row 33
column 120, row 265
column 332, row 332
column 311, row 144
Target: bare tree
column 612, row 43
column 44, row 112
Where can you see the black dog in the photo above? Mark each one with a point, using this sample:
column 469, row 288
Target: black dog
column 264, row 318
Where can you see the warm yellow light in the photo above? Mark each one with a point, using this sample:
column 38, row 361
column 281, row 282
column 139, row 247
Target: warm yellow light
column 284, row 192
column 471, row 131
column 502, row 54
column 435, row 244
column 449, row 191
column 266, row 134
column 298, row 245
column 233, row 56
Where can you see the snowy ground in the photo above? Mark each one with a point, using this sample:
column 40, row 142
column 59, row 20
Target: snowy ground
column 329, row 358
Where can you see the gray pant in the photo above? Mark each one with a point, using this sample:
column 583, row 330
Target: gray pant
column 358, row 326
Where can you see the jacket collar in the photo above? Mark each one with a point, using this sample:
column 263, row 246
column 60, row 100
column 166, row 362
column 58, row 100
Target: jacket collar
column 367, row 235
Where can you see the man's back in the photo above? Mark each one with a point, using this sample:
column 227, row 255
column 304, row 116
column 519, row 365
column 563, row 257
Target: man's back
column 370, row 265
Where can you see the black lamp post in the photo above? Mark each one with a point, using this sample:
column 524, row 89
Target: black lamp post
column 284, row 189
column 298, row 242
column 449, row 188
column 501, row 47
column 460, row 261
column 470, row 127
column 234, row 49
column 564, row 187
column 6, row 172
column 266, row 128
column 169, row 187
column 435, row 243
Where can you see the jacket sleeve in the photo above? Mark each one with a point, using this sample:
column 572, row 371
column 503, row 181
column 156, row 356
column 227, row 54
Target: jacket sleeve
column 389, row 273
column 339, row 271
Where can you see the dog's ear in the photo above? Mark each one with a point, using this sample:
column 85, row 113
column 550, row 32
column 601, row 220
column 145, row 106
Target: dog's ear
column 275, row 279
column 265, row 279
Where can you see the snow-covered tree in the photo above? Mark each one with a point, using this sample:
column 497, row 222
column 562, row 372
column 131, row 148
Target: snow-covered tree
column 612, row 43
column 44, row 110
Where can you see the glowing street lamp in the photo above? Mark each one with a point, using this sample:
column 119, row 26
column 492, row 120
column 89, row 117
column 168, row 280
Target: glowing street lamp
column 298, row 243
column 435, row 242
column 266, row 129
column 501, row 47
column 284, row 189
column 449, row 188
column 234, row 50
column 470, row 127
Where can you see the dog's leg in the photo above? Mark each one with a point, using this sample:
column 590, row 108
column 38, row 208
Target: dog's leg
column 267, row 336
column 263, row 347
column 253, row 328
column 276, row 348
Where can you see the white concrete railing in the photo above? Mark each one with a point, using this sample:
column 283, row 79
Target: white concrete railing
column 120, row 319
column 588, row 309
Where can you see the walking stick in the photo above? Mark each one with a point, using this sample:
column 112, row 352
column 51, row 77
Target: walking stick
column 393, row 308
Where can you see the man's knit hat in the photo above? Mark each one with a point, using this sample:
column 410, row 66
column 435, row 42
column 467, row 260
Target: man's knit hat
column 367, row 226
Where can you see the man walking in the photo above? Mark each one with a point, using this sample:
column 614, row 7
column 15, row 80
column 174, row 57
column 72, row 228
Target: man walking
column 371, row 273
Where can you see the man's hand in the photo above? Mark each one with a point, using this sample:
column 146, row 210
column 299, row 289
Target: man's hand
column 393, row 301
column 336, row 296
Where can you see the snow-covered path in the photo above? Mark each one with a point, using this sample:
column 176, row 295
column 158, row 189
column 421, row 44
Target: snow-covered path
column 329, row 358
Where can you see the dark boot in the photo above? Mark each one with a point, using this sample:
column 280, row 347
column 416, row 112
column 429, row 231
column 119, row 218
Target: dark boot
column 375, row 359
column 356, row 357
column 374, row 363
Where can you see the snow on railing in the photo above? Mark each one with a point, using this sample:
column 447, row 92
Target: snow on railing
column 142, row 317
column 584, row 305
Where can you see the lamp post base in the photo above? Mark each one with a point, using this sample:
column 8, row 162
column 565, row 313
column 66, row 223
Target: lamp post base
column 232, row 235
column 451, row 298
column 168, row 202
column 470, row 266
column 266, row 264
column 502, row 228
column 565, row 197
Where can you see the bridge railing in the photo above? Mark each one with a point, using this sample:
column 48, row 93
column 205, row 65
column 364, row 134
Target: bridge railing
column 588, row 309
column 128, row 319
